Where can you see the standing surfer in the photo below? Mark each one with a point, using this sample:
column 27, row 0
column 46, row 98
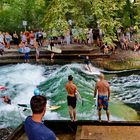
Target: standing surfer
column 87, row 63
column 103, row 89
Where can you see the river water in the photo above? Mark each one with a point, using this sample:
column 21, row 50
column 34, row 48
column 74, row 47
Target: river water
column 22, row 79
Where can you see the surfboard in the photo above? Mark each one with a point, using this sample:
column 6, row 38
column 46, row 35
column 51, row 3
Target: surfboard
column 79, row 98
column 94, row 71
column 2, row 88
column 96, row 101
column 55, row 107
column 54, row 49
column 22, row 50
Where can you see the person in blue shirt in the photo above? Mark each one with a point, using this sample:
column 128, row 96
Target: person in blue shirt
column 34, row 127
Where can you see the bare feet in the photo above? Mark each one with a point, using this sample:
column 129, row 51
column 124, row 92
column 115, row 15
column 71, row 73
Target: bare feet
column 99, row 120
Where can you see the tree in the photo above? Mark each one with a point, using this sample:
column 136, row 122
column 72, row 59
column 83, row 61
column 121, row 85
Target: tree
column 106, row 12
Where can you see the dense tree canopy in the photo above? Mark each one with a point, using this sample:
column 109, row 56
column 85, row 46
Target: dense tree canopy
column 61, row 15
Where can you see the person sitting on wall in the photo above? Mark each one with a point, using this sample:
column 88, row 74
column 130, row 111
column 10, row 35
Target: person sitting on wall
column 136, row 46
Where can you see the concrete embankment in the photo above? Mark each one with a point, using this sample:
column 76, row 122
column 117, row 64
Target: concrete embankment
column 87, row 130
column 68, row 55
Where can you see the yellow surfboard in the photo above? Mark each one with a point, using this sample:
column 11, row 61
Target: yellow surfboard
column 53, row 107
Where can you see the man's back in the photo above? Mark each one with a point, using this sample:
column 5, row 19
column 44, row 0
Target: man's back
column 102, row 87
column 37, row 131
column 71, row 89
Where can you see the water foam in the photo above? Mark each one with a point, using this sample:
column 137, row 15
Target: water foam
column 22, row 79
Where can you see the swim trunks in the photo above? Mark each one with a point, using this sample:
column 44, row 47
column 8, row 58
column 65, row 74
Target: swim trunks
column 71, row 101
column 102, row 102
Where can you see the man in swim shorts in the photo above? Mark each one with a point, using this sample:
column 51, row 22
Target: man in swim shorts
column 71, row 98
column 103, row 89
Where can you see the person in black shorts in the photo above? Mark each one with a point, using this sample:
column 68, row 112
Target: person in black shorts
column 86, row 62
column 71, row 98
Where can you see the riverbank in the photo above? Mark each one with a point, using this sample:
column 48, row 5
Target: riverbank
column 120, row 60
column 68, row 55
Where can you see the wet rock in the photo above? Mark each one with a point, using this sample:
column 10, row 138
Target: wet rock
column 5, row 132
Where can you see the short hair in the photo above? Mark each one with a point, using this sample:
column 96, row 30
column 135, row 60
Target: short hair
column 38, row 103
column 70, row 78
column 101, row 76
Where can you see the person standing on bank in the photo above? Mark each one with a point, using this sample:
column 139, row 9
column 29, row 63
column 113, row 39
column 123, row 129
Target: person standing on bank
column 71, row 98
column 103, row 89
column 34, row 127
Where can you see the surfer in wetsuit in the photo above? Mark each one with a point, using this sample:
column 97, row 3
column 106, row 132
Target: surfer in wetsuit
column 86, row 62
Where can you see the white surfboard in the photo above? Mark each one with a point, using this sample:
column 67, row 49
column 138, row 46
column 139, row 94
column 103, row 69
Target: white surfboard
column 96, row 101
column 54, row 49
column 94, row 71
column 79, row 98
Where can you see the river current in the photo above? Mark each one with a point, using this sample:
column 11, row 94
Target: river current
column 22, row 79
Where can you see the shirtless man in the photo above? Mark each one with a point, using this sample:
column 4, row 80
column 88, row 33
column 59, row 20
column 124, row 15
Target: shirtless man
column 71, row 98
column 103, row 89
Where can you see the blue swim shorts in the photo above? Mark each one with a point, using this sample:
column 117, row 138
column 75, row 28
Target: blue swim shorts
column 102, row 102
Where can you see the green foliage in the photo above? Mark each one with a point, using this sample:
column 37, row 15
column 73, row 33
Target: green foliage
column 53, row 15
column 13, row 12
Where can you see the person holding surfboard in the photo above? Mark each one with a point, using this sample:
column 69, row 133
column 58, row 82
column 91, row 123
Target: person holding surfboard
column 102, row 88
column 24, row 48
column 71, row 98
column 34, row 127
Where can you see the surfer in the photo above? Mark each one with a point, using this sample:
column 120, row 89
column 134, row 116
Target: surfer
column 51, row 46
column 34, row 127
column 6, row 99
column 71, row 98
column 102, row 88
column 87, row 62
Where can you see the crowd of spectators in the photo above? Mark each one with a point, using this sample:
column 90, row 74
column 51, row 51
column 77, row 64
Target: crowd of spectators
column 129, row 40
column 90, row 37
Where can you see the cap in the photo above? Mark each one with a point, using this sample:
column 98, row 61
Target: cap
column 36, row 92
